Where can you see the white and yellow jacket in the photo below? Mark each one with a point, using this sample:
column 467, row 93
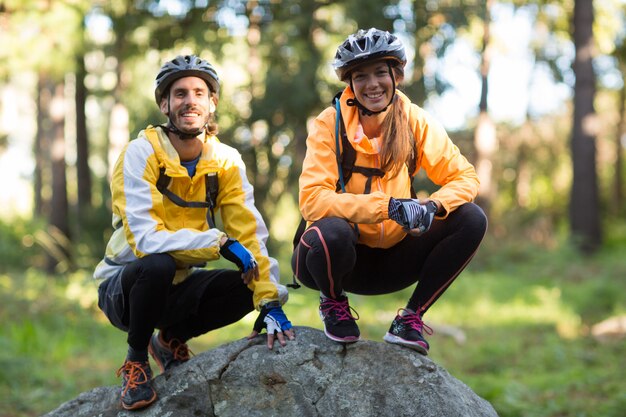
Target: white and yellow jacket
column 146, row 223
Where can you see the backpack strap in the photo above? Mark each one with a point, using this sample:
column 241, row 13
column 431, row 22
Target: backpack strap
column 212, row 188
column 412, row 166
column 341, row 183
column 346, row 156
column 369, row 173
column 347, row 159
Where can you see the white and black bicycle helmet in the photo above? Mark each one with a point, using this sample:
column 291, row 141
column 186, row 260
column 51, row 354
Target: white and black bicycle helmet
column 366, row 46
column 185, row 66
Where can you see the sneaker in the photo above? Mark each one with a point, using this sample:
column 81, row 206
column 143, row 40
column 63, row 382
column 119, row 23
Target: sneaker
column 137, row 391
column 168, row 354
column 339, row 323
column 406, row 330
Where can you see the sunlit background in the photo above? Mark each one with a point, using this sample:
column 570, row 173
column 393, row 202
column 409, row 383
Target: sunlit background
column 535, row 324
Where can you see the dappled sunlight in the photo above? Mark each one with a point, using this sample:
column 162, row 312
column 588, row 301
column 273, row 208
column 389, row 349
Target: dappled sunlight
column 512, row 335
column 531, row 325
column 82, row 289
column 5, row 283
column 538, row 305
column 286, row 219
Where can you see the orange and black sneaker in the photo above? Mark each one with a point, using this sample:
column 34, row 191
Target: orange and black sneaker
column 168, row 354
column 137, row 391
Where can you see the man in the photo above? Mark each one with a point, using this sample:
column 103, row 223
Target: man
column 166, row 188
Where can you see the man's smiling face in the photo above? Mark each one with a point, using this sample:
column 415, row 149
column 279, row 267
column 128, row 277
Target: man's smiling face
column 189, row 104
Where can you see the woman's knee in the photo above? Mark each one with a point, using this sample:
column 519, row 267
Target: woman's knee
column 476, row 217
column 332, row 232
column 472, row 221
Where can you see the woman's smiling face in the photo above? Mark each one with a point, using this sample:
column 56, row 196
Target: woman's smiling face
column 373, row 85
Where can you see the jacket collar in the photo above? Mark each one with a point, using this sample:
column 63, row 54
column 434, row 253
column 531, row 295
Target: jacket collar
column 350, row 115
column 167, row 156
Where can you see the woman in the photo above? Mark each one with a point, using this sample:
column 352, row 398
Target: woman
column 367, row 235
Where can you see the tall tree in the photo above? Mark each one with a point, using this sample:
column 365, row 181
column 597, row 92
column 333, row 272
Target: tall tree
column 58, row 220
column 584, row 199
column 430, row 20
column 485, row 139
column 289, row 44
column 51, row 28
column 83, row 173
column 620, row 134
column 40, row 145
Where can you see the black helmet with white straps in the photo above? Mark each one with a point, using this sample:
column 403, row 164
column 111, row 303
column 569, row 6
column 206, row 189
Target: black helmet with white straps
column 185, row 66
column 365, row 46
column 180, row 67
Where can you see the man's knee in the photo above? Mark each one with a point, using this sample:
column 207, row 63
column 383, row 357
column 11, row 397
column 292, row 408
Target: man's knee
column 154, row 271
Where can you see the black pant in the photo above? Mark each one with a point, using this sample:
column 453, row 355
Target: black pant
column 143, row 298
column 328, row 258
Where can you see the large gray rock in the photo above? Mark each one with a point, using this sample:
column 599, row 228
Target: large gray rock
column 311, row 376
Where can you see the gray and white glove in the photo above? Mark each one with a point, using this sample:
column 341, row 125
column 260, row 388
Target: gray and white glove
column 410, row 214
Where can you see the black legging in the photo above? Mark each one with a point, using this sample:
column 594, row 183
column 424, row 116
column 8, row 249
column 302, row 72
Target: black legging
column 206, row 300
column 328, row 258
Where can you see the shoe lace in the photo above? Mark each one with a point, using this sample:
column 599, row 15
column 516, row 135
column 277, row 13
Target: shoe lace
column 180, row 350
column 135, row 374
column 340, row 308
column 414, row 321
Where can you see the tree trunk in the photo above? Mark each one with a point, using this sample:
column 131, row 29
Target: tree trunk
column 584, row 199
column 254, row 70
column 619, row 161
column 485, row 139
column 40, row 146
column 119, row 131
column 82, row 140
column 417, row 89
column 58, row 217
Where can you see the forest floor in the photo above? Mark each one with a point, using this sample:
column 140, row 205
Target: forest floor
column 516, row 327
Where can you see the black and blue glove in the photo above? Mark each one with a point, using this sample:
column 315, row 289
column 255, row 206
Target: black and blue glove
column 238, row 254
column 410, row 214
column 273, row 318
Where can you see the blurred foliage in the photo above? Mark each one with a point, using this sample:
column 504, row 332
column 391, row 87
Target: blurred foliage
column 273, row 59
column 515, row 327
column 527, row 300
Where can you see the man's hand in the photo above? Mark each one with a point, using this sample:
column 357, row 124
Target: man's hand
column 414, row 216
column 252, row 274
column 273, row 317
column 242, row 257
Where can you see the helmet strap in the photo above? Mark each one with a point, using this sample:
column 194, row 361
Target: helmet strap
column 364, row 110
column 171, row 128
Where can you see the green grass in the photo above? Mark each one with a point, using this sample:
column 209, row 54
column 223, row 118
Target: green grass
column 525, row 314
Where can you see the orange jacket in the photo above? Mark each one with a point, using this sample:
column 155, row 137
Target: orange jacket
column 436, row 155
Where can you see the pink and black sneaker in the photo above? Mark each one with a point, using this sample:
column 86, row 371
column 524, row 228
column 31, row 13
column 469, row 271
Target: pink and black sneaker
column 406, row 330
column 339, row 323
